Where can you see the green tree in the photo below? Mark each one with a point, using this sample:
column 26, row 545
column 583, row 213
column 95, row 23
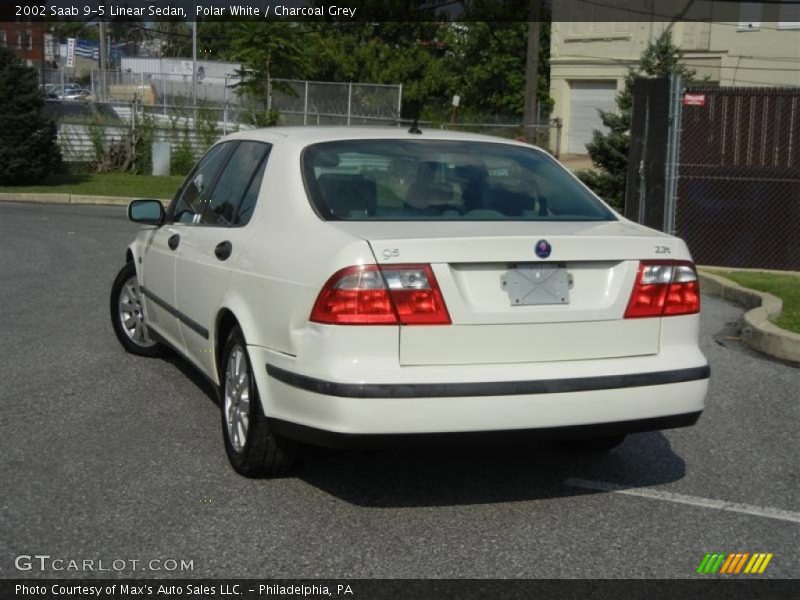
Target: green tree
column 268, row 51
column 28, row 148
column 482, row 62
column 488, row 61
column 609, row 150
column 411, row 53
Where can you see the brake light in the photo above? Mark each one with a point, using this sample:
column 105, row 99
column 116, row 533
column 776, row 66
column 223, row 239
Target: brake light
column 389, row 295
column 664, row 288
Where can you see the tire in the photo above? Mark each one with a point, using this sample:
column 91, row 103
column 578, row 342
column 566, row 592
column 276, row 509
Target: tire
column 597, row 444
column 252, row 449
column 127, row 316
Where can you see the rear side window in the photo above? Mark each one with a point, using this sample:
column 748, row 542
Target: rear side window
column 250, row 196
column 234, row 184
column 401, row 180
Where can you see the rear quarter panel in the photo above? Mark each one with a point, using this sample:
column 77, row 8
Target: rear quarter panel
column 287, row 259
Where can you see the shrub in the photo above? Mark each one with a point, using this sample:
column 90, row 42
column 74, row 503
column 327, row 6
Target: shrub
column 28, row 142
column 182, row 159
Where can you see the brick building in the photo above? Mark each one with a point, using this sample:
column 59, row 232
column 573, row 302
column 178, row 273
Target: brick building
column 26, row 40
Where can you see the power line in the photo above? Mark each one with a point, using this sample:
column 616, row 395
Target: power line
column 678, row 18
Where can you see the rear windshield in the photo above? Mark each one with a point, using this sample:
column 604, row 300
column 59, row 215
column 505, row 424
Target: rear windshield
column 399, row 180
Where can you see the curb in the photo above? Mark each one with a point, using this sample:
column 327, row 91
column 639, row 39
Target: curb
column 71, row 199
column 758, row 331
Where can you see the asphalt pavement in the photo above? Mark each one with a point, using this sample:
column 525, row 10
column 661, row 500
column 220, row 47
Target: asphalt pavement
column 108, row 456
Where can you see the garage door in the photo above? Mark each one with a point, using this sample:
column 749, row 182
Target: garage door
column 586, row 97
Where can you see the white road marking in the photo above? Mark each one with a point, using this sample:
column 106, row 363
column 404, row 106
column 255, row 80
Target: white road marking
column 747, row 509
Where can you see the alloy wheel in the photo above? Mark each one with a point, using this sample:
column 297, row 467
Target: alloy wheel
column 131, row 314
column 237, row 398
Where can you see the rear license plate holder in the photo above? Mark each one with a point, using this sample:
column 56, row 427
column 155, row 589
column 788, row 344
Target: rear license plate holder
column 534, row 284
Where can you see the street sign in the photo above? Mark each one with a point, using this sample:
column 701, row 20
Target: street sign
column 694, row 99
column 456, row 100
column 48, row 47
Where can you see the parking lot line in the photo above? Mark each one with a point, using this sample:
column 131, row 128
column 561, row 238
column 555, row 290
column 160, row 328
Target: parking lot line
column 747, row 509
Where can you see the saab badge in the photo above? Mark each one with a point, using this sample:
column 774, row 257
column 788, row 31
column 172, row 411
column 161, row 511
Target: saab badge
column 543, row 248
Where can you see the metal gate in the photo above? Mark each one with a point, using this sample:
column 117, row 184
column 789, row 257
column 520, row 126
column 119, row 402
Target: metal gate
column 647, row 177
column 739, row 186
column 719, row 167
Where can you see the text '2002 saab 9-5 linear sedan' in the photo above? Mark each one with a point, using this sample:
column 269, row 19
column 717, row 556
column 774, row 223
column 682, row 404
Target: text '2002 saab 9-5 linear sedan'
column 346, row 286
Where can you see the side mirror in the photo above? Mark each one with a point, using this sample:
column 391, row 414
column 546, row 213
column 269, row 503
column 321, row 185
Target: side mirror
column 146, row 212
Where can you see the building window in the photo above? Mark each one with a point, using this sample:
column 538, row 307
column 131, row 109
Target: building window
column 598, row 29
column 789, row 15
column 749, row 16
column 24, row 40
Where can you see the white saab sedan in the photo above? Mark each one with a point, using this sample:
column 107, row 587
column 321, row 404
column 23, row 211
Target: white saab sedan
column 369, row 286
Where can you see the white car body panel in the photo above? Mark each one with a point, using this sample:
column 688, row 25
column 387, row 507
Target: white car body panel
column 201, row 284
column 157, row 273
column 286, row 253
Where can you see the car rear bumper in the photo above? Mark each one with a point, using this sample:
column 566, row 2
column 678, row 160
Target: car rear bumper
column 336, row 439
column 487, row 388
column 357, row 413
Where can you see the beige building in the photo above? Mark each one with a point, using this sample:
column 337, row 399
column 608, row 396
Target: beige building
column 589, row 59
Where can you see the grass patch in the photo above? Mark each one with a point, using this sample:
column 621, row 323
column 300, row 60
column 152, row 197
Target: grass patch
column 785, row 287
column 105, row 184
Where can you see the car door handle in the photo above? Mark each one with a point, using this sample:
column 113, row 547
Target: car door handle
column 173, row 241
column 223, row 250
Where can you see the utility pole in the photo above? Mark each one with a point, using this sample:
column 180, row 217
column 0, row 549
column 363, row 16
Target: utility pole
column 531, row 113
column 44, row 54
column 194, row 63
column 103, row 55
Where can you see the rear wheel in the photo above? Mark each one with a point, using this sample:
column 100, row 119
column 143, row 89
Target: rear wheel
column 127, row 314
column 598, row 444
column 253, row 450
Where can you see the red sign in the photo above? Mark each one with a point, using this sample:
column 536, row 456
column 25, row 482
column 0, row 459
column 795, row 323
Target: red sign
column 694, row 99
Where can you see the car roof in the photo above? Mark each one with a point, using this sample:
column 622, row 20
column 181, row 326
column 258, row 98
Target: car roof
column 315, row 134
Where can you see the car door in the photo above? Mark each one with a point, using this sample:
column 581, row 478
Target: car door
column 211, row 248
column 157, row 283
column 164, row 245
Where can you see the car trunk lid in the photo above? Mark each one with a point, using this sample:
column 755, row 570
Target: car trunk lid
column 477, row 264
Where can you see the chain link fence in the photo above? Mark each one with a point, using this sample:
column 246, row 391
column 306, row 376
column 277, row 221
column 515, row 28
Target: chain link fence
column 739, row 177
column 545, row 133
column 719, row 167
column 121, row 108
column 298, row 102
column 647, row 158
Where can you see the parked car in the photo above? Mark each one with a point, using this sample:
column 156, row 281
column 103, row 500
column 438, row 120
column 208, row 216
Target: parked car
column 68, row 91
column 345, row 286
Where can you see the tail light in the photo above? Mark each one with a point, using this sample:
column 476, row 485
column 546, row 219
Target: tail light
column 389, row 295
column 664, row 288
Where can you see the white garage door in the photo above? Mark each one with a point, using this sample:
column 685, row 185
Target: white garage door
column 586, row 97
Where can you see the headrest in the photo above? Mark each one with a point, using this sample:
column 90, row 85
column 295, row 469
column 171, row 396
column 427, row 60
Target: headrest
column 345, row 194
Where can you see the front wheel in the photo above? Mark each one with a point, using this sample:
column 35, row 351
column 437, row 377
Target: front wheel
column 253, row 450
column 127, row 314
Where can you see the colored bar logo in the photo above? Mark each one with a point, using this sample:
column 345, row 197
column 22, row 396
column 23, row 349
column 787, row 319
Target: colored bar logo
column 734, row 563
